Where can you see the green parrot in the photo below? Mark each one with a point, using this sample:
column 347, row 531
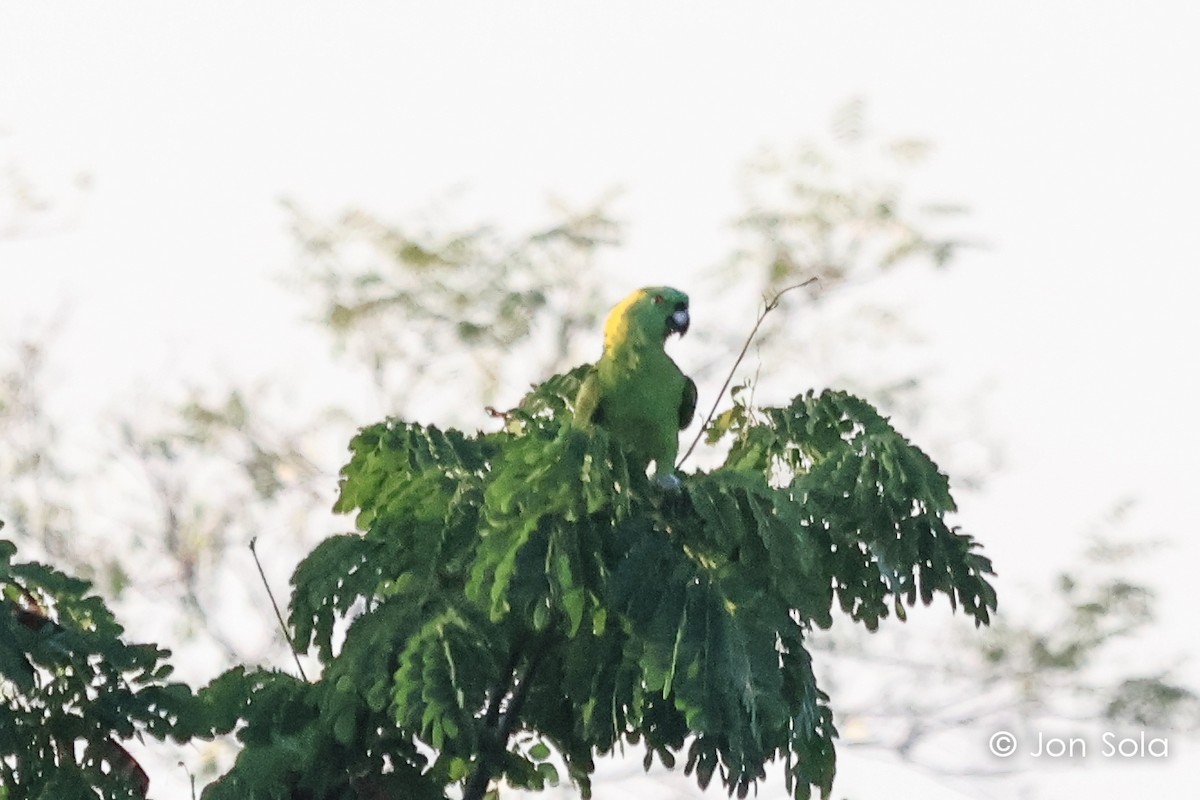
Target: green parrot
column 635, row 391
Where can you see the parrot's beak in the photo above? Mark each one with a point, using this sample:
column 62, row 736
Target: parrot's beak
column 679, row 320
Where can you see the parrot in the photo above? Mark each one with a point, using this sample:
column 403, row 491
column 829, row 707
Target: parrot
column 635, row 391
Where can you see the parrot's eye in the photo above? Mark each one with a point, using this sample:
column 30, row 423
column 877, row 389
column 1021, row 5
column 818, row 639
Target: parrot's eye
column 658, row 299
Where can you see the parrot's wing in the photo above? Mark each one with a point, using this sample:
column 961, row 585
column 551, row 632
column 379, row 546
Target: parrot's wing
column 587, row 402
column 687, row 406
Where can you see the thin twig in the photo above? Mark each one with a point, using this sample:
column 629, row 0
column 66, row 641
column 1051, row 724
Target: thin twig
column 282, row 625
column 191, row 778
column 768, row 307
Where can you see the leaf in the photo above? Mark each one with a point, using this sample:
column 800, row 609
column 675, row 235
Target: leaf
column 14, row 666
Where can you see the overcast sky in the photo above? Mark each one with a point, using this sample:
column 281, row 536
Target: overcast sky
column 1070, row 130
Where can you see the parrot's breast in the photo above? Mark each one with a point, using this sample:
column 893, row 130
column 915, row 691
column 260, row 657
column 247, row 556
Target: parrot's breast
column 641, row 405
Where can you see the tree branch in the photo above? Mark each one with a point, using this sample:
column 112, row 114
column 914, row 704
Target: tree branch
column 503, row 724
column 492, row 716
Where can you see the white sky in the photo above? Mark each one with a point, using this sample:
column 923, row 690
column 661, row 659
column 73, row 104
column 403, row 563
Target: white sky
column 1070, row 129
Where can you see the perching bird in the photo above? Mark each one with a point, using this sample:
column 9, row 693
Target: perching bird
column 635, row 391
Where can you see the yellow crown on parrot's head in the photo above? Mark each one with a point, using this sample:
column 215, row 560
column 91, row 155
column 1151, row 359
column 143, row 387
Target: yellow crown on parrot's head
column 655, row 311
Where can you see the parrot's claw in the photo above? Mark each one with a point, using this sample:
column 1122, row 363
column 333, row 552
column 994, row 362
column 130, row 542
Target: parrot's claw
column 669, row 481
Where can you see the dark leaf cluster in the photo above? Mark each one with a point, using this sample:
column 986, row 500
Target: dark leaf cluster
column 72, row 690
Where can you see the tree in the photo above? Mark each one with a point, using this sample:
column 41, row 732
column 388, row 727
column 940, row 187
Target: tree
column 523, row 592
column 72, row 690
column 415, row 302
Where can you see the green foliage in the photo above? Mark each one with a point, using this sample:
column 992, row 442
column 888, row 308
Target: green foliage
column 519, row 595
column 72, row 689
column 303, row 740
column 523, row 592
column 871, row 504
